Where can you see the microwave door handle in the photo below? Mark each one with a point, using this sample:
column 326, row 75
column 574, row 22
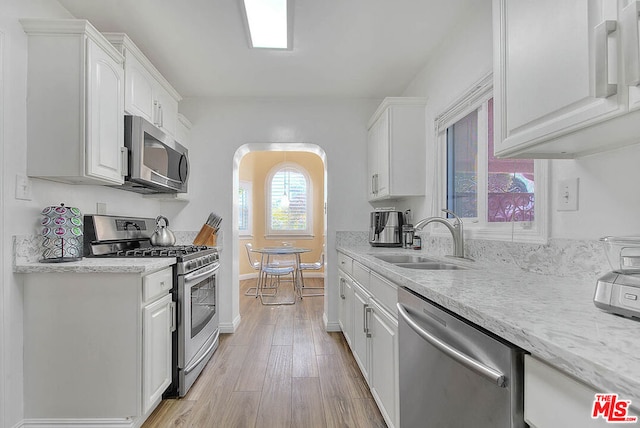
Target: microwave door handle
column 186, row 161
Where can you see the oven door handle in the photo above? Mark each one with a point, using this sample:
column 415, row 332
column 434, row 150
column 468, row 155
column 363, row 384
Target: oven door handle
column 201, row 273
column 493, row 375
column 204, row 355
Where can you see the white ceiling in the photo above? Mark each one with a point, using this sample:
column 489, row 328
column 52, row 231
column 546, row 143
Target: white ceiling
column 343, row 48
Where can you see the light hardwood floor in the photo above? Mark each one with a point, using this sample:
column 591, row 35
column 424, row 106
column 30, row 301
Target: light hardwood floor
column 280, row 369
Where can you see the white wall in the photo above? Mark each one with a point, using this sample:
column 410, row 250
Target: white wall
column 22, row 217
column 221, row 126
column 608, row 194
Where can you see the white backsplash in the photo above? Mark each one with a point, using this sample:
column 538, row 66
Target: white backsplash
column 580, row 259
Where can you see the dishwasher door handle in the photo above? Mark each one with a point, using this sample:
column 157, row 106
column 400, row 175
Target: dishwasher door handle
column 472, row 364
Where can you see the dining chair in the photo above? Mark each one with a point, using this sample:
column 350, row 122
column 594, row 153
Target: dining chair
column 271, row 280
column 311, row 266
column 256, row 264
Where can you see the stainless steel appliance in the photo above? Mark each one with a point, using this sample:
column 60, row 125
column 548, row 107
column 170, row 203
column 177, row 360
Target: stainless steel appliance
column 618, row 291
column 452, row 373
column 156, row 162
column 385, row 228
column 195, row 288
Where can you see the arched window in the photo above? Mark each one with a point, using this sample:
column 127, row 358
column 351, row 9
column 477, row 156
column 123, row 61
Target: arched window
column 289, row 201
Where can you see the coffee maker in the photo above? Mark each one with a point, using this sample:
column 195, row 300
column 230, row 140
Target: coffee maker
column 385, row 228
column 618, row 291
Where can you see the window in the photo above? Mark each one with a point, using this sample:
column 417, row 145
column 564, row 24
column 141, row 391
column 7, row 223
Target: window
column 245, row 214
column 496, row 198
column 289, row 201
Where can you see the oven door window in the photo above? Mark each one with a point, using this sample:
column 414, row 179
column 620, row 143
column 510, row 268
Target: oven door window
column 203, row 304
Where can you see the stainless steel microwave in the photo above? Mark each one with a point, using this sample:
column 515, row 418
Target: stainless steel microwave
column 156, row 162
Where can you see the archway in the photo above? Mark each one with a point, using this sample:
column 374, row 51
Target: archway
column 235, row 241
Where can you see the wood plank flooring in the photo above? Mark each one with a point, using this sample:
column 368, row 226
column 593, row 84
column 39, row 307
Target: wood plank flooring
column 280, row 369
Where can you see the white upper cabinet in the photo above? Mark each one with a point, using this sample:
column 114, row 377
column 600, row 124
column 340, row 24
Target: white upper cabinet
column 147, row 92
column 75, row 127
column 565, row 77
column 396, row 149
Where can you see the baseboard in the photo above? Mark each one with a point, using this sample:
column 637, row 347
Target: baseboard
column 230, row 327
column 79, row 423
column 246, row 276
column 330, row 326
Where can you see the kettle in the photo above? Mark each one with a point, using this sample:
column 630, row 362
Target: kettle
column 162, row 237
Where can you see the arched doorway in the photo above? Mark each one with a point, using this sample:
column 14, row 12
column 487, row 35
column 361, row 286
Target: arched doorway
column 278, row 154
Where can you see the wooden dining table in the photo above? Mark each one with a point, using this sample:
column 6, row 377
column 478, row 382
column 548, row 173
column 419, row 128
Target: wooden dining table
column 266, row 253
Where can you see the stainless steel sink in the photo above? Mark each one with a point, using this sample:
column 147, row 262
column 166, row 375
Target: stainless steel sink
column 416, row 262
column 403, row 258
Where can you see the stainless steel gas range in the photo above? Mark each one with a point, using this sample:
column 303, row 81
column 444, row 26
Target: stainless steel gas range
column 195, row 288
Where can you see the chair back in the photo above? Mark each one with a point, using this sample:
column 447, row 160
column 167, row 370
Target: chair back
column 253, row 261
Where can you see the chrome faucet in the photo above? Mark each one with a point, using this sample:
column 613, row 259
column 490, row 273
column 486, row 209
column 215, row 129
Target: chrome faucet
column 455, row 229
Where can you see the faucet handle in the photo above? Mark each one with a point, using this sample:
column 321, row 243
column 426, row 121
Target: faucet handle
column 458, row 219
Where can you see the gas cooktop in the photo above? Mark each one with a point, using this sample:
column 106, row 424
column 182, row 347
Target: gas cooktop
column 174, row 251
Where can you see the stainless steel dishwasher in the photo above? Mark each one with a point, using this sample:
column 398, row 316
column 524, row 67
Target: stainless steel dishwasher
column 452, row 373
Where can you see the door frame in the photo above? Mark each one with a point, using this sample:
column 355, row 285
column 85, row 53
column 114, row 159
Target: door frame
column 240, row 153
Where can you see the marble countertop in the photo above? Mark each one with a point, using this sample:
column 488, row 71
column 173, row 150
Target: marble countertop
column 551, row 317
column 96, row 265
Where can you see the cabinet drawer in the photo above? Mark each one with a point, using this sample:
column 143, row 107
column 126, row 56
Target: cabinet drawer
column 345, row 263
column 361, row 275
column 157, row 284
column 385, row 292
column 553, row 399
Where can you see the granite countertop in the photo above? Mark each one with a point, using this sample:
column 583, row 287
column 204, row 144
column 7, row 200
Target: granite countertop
column 97, row 265
column 551, row 317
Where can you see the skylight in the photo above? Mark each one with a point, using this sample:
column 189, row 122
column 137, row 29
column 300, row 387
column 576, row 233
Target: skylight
column 268, row 23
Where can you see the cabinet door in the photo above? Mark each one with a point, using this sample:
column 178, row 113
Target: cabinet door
column 556, row 72
column 138, row 98
column 105, row 111
column 156, row 350
column 382, row 181
column 346, row 307
column 372, row 161
column 553, row 399
column 360, row 340
column 384, row 362
column 378, row 157
column 167, row 109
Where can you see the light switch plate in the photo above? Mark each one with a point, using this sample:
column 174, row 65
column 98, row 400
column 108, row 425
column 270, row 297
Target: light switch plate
column 23, row 187
column 568, row 194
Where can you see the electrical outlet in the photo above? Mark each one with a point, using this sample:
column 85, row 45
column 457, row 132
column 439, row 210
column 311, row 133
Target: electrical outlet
column 23, row 187
column 101, row 208
column 568, row 195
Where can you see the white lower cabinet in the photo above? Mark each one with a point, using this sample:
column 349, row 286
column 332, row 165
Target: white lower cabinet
column 383, row 337
column 156, row 350
column 553, row 399
column 97, row 347
column 360, row 343
column 345, row 305
column 371, row 330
